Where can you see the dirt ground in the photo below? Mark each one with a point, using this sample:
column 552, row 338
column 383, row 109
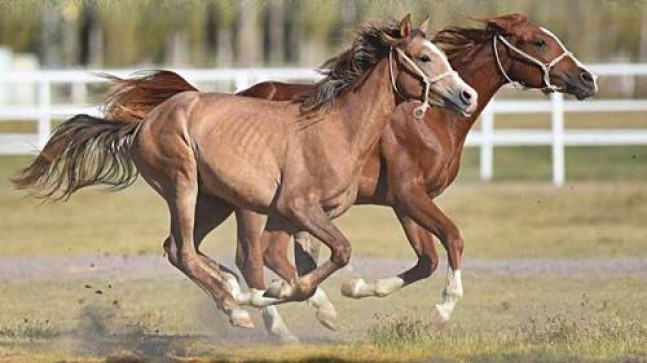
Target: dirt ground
column 147, row 267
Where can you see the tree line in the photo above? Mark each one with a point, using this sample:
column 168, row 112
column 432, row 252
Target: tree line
column 222, row 33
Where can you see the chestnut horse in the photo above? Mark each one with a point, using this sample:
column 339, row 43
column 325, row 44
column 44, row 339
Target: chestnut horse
column 207, row 154
column 410, row 165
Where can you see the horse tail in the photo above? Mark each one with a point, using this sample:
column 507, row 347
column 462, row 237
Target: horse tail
column 82, row 151
column 132, row 99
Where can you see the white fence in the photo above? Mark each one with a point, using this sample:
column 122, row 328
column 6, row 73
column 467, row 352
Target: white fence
column 487, row 137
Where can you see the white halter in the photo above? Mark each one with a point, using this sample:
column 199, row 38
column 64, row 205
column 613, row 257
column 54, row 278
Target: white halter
column 419, row 111
column 545, row 67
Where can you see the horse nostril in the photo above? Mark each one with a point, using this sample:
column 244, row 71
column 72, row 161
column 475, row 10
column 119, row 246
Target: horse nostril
column 466, row 96
column 586, row 77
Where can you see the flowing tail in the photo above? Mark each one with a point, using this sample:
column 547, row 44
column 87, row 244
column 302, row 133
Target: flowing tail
column 132, row 99
column 83, row 151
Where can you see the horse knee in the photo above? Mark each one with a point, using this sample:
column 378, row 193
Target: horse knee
column 171, row 250
column 341, row 255
column 458, row 244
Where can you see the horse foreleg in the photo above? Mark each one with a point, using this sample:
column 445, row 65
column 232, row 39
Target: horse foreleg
column 311, row 217
column 275, row 245
column 422, row 209
column 423, row 244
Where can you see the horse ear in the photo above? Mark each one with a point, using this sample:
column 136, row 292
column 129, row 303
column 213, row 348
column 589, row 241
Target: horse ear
column 424, row 25
column 505, row 23
column 405, row 26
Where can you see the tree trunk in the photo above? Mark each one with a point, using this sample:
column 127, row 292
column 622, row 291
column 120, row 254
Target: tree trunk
column 276, row 28
column 225, row 50
column 248, row 42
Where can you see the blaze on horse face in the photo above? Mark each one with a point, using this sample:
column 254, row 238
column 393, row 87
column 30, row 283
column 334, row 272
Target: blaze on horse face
column 425, row 73
column 546, row 64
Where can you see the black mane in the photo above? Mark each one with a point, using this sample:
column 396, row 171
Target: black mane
column 346, row 69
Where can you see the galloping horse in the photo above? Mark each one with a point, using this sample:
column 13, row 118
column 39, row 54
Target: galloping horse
column 207, row 154
column 410, row 165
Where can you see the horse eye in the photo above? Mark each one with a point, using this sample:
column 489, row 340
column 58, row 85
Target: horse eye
column 539, row 43
column 425, row 58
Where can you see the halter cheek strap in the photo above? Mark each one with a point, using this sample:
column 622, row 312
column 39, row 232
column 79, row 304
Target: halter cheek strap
column 418, row 112
column 545, row 66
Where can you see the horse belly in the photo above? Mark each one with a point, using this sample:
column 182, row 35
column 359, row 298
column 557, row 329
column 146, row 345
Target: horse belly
column 242, row 184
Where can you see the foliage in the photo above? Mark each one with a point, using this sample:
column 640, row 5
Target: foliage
column 135, row 32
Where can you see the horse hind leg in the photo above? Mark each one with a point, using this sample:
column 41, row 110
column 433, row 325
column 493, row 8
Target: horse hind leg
column 179, row 187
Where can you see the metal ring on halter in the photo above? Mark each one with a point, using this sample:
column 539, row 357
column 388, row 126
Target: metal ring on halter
column 545, row 66
column 418, row 112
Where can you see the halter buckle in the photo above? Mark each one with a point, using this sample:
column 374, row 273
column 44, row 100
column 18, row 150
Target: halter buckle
column 419, row 112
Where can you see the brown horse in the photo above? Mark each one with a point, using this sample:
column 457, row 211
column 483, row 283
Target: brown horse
column 209, row 153
column 412, row 165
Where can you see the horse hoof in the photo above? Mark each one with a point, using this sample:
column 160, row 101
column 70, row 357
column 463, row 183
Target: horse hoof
column 327, row 318
column 351, row 288
column 278, row 289
column 241, row 319
column 439, row 317
column 259, row 300
column 276, row 327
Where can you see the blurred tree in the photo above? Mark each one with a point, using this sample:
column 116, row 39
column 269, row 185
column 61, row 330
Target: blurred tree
column 248, row 45
column 275, row 32
column 226, row 11
column 316, row 21
column 129, row 33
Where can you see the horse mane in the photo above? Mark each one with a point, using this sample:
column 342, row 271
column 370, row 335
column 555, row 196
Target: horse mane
column 131, row 99
column 349, row 68
column 460, row 44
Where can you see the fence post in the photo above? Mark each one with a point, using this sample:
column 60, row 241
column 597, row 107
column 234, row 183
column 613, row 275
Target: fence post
column 487, row 143
column 557, row 122
column 44, row 111
column 242, row 81
column 79, row 93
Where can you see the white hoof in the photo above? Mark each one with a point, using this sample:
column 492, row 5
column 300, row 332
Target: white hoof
column 258, row 300
column 385, row 287
column 278, row 289
column 276, row 327
column 326, row 313
column 355, row 288
column 241, row 319
column 327, row 316
column 439, row 316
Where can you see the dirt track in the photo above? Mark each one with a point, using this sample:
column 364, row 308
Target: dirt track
column 148, row 266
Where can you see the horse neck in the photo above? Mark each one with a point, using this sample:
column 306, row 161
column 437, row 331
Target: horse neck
column 366, row 109
column 484, row 76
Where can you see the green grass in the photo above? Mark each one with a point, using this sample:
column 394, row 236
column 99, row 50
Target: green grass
column 500, row 318
column 501, row 219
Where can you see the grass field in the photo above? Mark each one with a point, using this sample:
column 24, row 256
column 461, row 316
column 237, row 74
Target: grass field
column 542, row 318
column 506, row 219
column 599, row 213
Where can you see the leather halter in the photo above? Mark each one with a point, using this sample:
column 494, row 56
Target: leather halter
column 545, row 66
column 418, row 112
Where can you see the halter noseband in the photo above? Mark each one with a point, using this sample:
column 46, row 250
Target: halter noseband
column 419, row 111
column 545, row 66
